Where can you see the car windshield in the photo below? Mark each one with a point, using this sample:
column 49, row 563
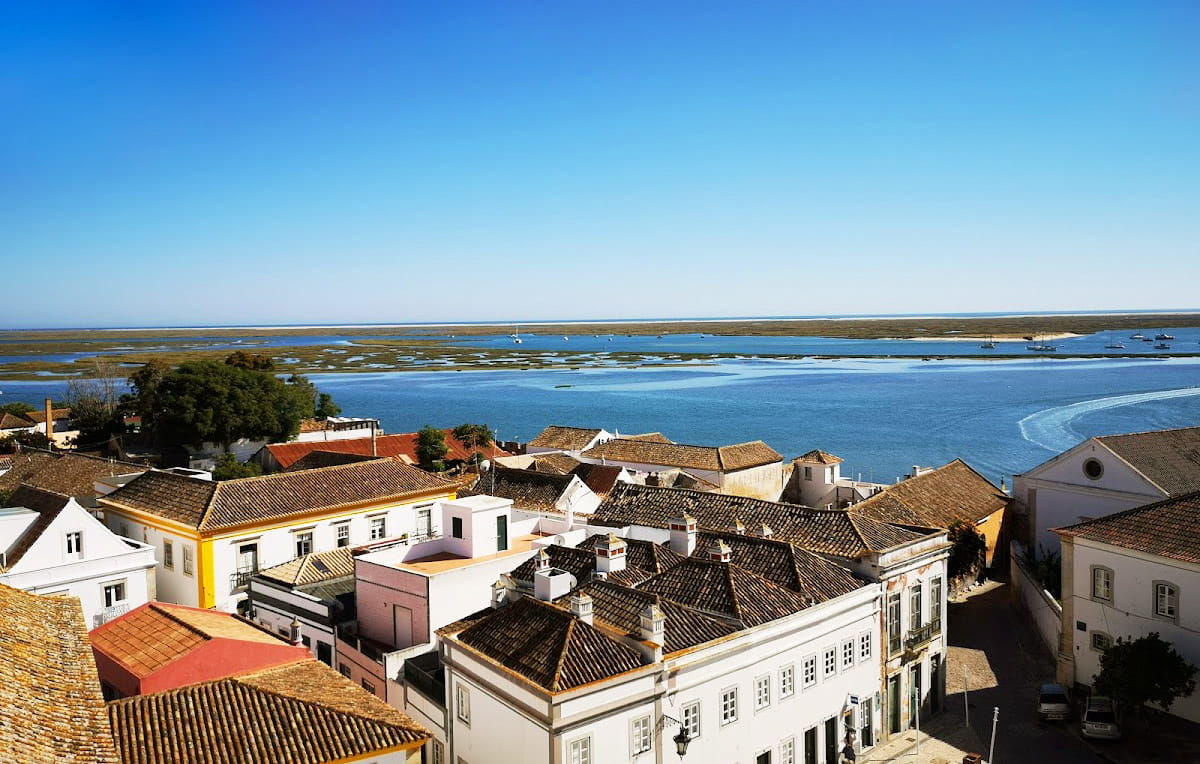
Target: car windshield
column 1104, row 717
column 1052, row 697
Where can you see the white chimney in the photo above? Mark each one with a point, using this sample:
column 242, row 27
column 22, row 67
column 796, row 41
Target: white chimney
column 542, row 562
column 718, row 551
column 294, row 631
column 610, row 554
column 764, row 531
column 653, row 632
column 916, row 470
column 738, row 527
column 581, row 607
column 683, row 534
column 552, row 583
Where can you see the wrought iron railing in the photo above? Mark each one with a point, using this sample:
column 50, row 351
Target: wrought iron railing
column 431, row 685
column 109, row 613
column 241, row 579
column 918, row 637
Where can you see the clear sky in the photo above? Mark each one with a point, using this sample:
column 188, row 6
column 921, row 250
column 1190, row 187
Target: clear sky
column 235, row 162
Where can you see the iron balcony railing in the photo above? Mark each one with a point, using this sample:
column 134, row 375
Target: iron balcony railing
column 431, row 685
column 919, row 636
column 109, row 613
column 241, row 579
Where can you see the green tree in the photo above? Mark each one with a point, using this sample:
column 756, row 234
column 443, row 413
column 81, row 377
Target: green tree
column 969, row 548
column 474, row 437
column 431, row 448
column 94, row 400
column 205, row 401
column 229, row 468
column 21, row 440
column 251, row 361
column 1144, row 670
column 18, row 408
column 326, row 407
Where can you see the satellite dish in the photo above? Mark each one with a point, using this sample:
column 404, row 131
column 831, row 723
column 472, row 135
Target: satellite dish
column 485, row 465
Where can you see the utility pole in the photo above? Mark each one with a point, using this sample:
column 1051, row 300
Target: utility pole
column 992, row 745
column 966, row 705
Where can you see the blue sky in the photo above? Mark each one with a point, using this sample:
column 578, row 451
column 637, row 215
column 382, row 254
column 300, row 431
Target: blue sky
column 223, row 163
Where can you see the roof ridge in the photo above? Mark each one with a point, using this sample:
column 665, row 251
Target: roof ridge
column 1096, row 521
column 239, row 679
column 563, row 649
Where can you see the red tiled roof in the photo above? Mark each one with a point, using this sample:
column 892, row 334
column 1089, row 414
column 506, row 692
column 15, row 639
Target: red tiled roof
column 402, row 446
column 39, row 415
column 565, row 438
column 1164, row 528
column 715, row 458
column 935, row 499
column 1168, row 458
column 819, row 456
column 10, row 421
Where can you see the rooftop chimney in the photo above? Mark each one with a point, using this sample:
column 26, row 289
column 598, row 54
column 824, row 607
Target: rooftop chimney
column 294, row 631
column 610, row 554
column 683, row 534
column 374, row 449
column 50, row 422
column 552, row 583
column 916, row 470
column 718, row 551
column 581, row 607
column 738, row 527
column 542, row 561
column 764, row 531
column 653, row 632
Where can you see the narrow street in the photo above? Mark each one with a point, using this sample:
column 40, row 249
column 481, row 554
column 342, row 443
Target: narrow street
column 987, row 622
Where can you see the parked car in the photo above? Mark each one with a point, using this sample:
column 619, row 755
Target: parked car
column 1100, row 719
column 1054, row 705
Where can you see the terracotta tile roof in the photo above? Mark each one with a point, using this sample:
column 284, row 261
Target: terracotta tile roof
column 642, row 559
column 645, row 555
column 51, row 709
column 726, row 590
column 157, row 633
column 296, row 714
column 935, row 499
column 313, row 568
column 318, row 459
column 208, row 505
column 47, row 505
column 716, row 459
column 620, row 608
column 577, row 561
column 651, row 437
column 555, row 463
column 784, row 564
column 1164, row 528
column 401, row 446
column 39, row 416
column 1168, row 458
column 819, row 456
column 548, row 646
column 598, row 477
column 21, row 466
column 527, row 489
column 312, row 425
column 564, row 438
column 76, row 475
column 10, row 421
column 832, row 532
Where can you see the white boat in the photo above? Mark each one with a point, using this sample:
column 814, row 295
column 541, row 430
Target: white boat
column 1162, row 346
column 1164, row 336
column 1137, row 336
column 988, row 344
column 516, row 336
column 1113, row 345
column 1041, row 346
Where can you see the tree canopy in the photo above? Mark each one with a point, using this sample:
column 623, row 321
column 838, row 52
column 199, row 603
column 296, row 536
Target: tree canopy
column 474, row 437
column 969, row 549
column 431, row 448
column 17, row 407
column 251, row 361
column 229, row 468
column 1144, row 670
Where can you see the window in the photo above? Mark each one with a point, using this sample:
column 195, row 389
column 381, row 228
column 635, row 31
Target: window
column 809, row 671
column 729, row 709
column 691, row 719
column 580, row 751
column 303, row 543
column 893, row 623
column 343, row 539
column 935, row 605
column 1102, row 584
column 378, row 528
column 168, row 554
column 847, row 654
column 1166, row 600
column 1093, row 469
column 439, row 752
column 787, row 751
column 344, row 670
column 808, row 473
column 456, row 527
column 462, row 702
column 787, row 681
column 864, row 646
column 639, row 735
column 1101, row 641
column 187, row 560
column 367, row 686
column 114, row 593
column 123, row 529
column 914, row 607
column 829, row 662
column 74, row 541
column 762, row 692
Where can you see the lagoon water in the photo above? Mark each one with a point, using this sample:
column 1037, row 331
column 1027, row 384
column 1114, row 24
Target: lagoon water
column 880, row 415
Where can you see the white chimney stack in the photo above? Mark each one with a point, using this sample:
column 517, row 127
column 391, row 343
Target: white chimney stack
column 543, row 561
column 738, row 527
column 581, row 607
column 653, row 632
column 294, row 631
column 764, row 531
column 552, row 583
column 683, row 534
column 719, row 551
column 610, row 554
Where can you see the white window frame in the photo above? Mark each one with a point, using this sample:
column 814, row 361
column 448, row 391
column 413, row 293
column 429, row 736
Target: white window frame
column 439, row 752
column 864, row 647
column 341, row 533
column 73, row 539
column 641, row 736
column 787, row 750
column 808, row 672
column 829, row 661
column 762, row 692
column 189, row 564
column 916, row 595
column 124, row 591
column 304, row 537
column 895, row 631
column 462, row 703
column 787, row 681
column 579, row 751
column 729, row 706
column 847, row 655
column 936, row 594
column 1104, row 637
column 691, row 719
column 1172, row 596
column 378, row 523
column 1110, row 584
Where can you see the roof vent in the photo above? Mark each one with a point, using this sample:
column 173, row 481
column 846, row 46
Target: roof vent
column 581, row 607
column 764, row 531
column 719, row 552
column 683, row 534
column 610, row 554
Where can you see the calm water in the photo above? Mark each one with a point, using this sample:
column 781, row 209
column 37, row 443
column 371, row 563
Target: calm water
column 881, row 416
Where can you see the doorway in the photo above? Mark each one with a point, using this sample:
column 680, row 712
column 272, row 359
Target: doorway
column 893, row 701
column 866, row 733
column 401, row 626
column 915, row 696
column 935, row 684
column 325, row 653
column 810, row 745
column 424, row 528
column 501, row 533
column 831, row 741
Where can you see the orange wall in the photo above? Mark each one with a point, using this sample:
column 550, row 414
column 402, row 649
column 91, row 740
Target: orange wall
column 990, row 529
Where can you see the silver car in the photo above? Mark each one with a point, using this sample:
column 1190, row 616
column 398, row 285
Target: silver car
column 1053, row 703
column 1100, row 720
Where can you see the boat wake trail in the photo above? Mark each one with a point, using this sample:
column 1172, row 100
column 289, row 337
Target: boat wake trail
column 1051, row 428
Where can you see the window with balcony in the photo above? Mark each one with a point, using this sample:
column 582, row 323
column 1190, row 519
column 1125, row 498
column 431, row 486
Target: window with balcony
column 1102, row 584
column 893, row 623
column 729, row 705
column 1166, row 600
column 639, row 735
column 914, row 607
column 935, row 605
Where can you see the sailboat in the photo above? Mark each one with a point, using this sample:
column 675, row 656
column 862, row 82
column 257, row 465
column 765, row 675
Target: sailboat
column 989, row 343
column 1113, row 345
column 1041, row 346
column 1137, row 336
column 1164, row 336
column 516, row 335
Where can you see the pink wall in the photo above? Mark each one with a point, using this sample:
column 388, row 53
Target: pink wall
column 215, row 659
column 380, row 588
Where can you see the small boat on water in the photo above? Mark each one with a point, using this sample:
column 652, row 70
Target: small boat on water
column 1164, row 336
column 516, row 336
column 1137, row 336
column 1041, row 346
column 1162, row 346
column 988, row 344
column 1113, row 344
column 1147, row 339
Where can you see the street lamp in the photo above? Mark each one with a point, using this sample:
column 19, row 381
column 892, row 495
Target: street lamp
column 681, row 739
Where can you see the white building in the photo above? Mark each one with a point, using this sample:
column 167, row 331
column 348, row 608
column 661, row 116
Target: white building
column 1126, row 575
column 316, row 590
column 816, row 481
column 745, row 469
column 1104, row 475
column 338, row 428
column 211, row 537
column 567, row 440
column 52, row 545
